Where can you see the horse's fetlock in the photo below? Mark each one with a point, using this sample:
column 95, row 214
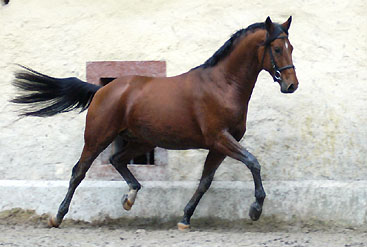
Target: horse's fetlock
column 260, row 195
column 189, row 210
column 134, row 186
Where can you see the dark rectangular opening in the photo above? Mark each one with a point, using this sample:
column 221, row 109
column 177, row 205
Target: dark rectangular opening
column 145, row 159
column 106, row 80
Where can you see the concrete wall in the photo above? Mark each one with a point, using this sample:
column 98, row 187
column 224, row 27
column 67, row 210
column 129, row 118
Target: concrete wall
column 318, row 133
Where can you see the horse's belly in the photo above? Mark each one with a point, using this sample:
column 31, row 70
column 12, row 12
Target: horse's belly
column 169, row 137
column 177, row 143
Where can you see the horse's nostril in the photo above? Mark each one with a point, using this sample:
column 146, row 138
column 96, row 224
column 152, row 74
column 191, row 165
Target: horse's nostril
column 291, row 88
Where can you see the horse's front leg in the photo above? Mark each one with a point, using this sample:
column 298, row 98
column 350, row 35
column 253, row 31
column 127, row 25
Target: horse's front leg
column 229, row 146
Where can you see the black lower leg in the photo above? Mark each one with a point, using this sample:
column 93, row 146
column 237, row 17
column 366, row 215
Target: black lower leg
column 77, row 176
column 259, row 190
column 120, row 160
column 120, row 164
column 256, row 207
column 192, row 204
column 212, row 162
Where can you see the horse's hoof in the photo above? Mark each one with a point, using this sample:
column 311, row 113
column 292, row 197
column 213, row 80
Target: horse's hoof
column 182, row 226
column 52, row 222
column 255, row 211
column 126, row 204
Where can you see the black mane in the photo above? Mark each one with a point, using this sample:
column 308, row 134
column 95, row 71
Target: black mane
column 228, row 46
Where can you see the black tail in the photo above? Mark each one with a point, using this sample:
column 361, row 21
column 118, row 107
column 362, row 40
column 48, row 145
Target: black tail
column 46, row 96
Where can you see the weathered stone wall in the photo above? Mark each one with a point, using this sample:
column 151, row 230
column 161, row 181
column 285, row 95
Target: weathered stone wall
column 320, row 132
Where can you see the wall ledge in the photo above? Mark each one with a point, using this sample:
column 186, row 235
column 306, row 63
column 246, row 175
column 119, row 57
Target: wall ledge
column 327, row 201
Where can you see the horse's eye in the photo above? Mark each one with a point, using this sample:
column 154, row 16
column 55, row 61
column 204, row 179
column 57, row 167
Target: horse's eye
column 278, row 50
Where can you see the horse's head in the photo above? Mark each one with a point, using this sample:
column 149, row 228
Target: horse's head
column 276, row 55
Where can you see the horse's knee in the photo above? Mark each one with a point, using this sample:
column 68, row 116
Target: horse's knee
column 253, row 164
column 256, row 166
column 250, row 161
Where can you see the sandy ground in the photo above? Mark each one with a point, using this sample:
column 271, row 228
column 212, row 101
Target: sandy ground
column 106, row 236
column 24, row 228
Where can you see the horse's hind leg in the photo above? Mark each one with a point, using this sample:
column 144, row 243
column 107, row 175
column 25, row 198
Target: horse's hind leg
column 90, row 152
column 78, row 174
column 94, row 145
column 212, row 162
column 120, row 160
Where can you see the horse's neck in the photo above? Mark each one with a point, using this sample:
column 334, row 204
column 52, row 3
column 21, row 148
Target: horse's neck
column 241, row 68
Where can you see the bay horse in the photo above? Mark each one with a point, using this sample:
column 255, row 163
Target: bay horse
column 204, row 108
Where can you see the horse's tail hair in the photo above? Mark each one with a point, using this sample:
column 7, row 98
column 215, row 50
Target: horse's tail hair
column 44, row 96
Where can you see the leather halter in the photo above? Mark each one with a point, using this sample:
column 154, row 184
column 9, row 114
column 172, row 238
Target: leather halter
column 277, row 71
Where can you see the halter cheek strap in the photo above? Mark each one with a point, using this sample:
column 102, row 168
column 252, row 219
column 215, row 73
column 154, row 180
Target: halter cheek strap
column 277, row 71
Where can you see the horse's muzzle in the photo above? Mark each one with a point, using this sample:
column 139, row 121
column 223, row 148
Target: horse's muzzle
column 287, row 87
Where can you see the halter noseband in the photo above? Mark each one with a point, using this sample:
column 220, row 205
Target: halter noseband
column 277, row 71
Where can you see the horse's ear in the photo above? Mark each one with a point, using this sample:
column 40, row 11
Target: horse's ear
column 269, row 25
column 287, row 24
